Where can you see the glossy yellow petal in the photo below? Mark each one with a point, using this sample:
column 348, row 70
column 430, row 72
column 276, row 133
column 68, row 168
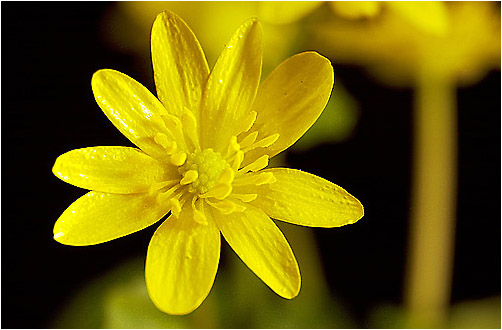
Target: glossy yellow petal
column 231, row 87
column 181, row 263
column 304, row 199
column 290, row 100
column 179, row 65
column 119, row 170
column 262, row 247
column 100, row 217
column 132, row 109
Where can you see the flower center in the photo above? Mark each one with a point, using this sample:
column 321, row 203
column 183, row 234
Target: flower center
column 202, row 170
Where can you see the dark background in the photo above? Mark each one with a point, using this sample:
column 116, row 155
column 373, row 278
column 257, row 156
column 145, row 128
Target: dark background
column 49, row 53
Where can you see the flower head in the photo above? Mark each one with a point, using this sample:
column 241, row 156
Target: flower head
column 203, row 146
column 458, row 41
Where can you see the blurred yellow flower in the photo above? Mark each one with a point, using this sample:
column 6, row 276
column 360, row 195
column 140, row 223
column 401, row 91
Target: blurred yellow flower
column 429, row 16
column 458, row 40
column 130, row 23
column 202, row 152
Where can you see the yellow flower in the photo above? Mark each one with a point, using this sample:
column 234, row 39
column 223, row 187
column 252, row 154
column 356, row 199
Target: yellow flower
column 202, row 151
column 465, row 45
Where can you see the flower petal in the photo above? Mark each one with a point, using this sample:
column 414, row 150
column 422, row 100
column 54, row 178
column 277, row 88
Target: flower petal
column 231, row 87
column 181, row 263
column 179, row 64
column 100, row 217
column 290, row 100
column 262, row 247
column 305, row 199
column 132, row 109
column 119, row 170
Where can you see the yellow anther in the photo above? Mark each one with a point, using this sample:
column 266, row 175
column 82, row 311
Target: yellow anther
column 163, row 196
column 162, row 140
column 247, row 123
column 249, row 140
column 233, row 146
column 257, row 165
column 268, row 141
column 178, row 158
column 226, row 206
column 226, row 176
column 246, row 198
column 189, row 123
column 189, row 177
column 175, row 128
column 188, row 119
column 255, row 179
column 263, row 143
column 156, row 186
column 220, row 191
column 175, row 206
column 198, row 211
column 160, row 198
column 265, row 178
column 239, row 157
column 200, row 217
column 172, row 123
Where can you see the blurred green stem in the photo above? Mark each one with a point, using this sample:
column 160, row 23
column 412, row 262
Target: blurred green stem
column 433, row 204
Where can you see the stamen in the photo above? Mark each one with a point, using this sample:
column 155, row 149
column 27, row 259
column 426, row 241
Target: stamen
column 247, row 123
column 172, row 123
column 174, row 126
column 178, row 158
column 161, row 197
column 175, row 206
column 182, row 199
column 226, row 206
column 238, row 159
column 249, row 140
column 156, row 186
column 162, row 140
column 198, row 215
column 246, row 198
column 263, row 143
column 189, row 177
column 226, row 176
column 255, row 166
column 220, row 191
column 189, row 123
column 224, row 186
column 233, row 146
column 255, row 179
